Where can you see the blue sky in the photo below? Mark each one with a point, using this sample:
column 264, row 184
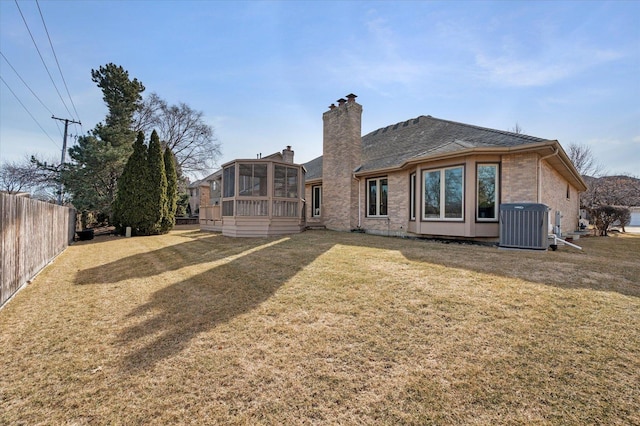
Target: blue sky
column 264, row 72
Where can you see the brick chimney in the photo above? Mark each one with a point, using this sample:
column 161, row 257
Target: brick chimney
column 342, row 153
column 287, row 155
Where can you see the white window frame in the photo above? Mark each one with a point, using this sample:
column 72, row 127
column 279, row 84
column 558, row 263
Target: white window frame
column 412, row 196
column 316, row 204
column 378, row 182
column 442, row 194
column 497, row 193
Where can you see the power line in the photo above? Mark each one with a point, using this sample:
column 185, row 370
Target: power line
column 27, row 86
column 58, row 63
column 29, row 112
column 41, row 58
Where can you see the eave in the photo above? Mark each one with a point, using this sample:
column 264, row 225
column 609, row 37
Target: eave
column 559, row 162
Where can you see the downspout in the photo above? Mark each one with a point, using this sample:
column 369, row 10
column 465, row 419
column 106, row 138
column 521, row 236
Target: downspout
column 359, row 207
column 540, row 172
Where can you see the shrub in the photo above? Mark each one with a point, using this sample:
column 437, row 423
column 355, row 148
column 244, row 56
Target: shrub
column 606, row 216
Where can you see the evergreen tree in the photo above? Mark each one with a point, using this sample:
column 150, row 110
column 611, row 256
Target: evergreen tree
column 123, row 98
column 156, row 187
column 128, row 208
column 98, row 159
column 169, row 221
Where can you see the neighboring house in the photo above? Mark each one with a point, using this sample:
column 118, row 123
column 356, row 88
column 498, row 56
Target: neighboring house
column 254, row 197
column 432, row 177
column 194, row 197
column 635, row 216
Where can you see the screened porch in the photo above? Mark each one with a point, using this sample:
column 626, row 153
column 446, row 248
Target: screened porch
column 253, row 198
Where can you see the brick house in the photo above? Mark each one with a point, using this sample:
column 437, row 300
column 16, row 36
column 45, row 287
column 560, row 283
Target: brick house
column 432, row 177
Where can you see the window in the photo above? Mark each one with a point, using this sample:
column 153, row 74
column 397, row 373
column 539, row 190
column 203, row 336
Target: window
column 229, row 181
column 444, row 194
column 568, row 192
column 377, row 190
column 316, row 200
column 412, row 196
column 487, row 196
column 214, row 191
column 285, row 182
column 252, row 180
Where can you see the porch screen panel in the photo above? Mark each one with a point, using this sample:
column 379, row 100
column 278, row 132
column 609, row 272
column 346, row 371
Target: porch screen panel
column 229, row 181
column 285, row 182
column 227, row 208
column 252, row 180
column 292, row 182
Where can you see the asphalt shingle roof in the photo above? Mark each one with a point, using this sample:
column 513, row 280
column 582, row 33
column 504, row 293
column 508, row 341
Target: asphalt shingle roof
column 423, row 136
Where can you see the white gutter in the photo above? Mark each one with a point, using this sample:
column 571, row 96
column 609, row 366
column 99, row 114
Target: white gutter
column 555, row 152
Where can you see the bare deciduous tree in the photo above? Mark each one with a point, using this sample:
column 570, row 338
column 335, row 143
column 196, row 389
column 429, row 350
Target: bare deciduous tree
column 611, row 190
column 584, row 160
column 183, row 130
column 28, row 176
column 516, row 129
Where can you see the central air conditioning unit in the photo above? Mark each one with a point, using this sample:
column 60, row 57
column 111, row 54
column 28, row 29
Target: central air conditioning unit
column 524, row 226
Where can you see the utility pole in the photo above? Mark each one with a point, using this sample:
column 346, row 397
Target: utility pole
column 64, row 150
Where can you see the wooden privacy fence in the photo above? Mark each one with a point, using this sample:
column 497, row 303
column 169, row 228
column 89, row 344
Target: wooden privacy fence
column 33, row 233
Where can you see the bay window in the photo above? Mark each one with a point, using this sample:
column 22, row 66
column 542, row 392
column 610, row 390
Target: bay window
column 443, row 194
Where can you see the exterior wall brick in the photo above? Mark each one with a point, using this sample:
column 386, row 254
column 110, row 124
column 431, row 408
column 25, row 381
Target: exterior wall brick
column 397, row 220
column 519, row 178
column 554, row 194
column 342, row 146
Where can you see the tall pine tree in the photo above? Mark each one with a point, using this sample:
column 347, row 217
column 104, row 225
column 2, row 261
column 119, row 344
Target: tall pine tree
column 156, row 187
column 128, row 208
column 169, row 221
column 98, row 159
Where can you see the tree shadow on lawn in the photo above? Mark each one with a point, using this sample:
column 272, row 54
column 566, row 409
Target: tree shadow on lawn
column 194, row 251
column 176, row 314
column 246, row 272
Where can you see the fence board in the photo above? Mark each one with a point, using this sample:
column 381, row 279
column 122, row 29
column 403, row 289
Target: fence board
column 33, row 233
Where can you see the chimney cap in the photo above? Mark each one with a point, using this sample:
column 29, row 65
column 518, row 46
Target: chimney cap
column 351, row 97
column 332, row 106
column 341, row 101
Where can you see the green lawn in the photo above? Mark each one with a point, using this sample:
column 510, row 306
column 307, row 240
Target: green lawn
column 324, row 328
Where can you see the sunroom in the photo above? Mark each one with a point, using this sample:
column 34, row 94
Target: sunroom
column 255, row 198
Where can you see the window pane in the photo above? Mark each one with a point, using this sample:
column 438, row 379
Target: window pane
column 373, row 190
column 315, row 201
column 432, row 194
column 487, row 191
column 383, row 197
column 453, row 193
column 412, row 196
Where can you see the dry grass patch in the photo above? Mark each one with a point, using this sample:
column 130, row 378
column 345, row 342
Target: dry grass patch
column 326, row 328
